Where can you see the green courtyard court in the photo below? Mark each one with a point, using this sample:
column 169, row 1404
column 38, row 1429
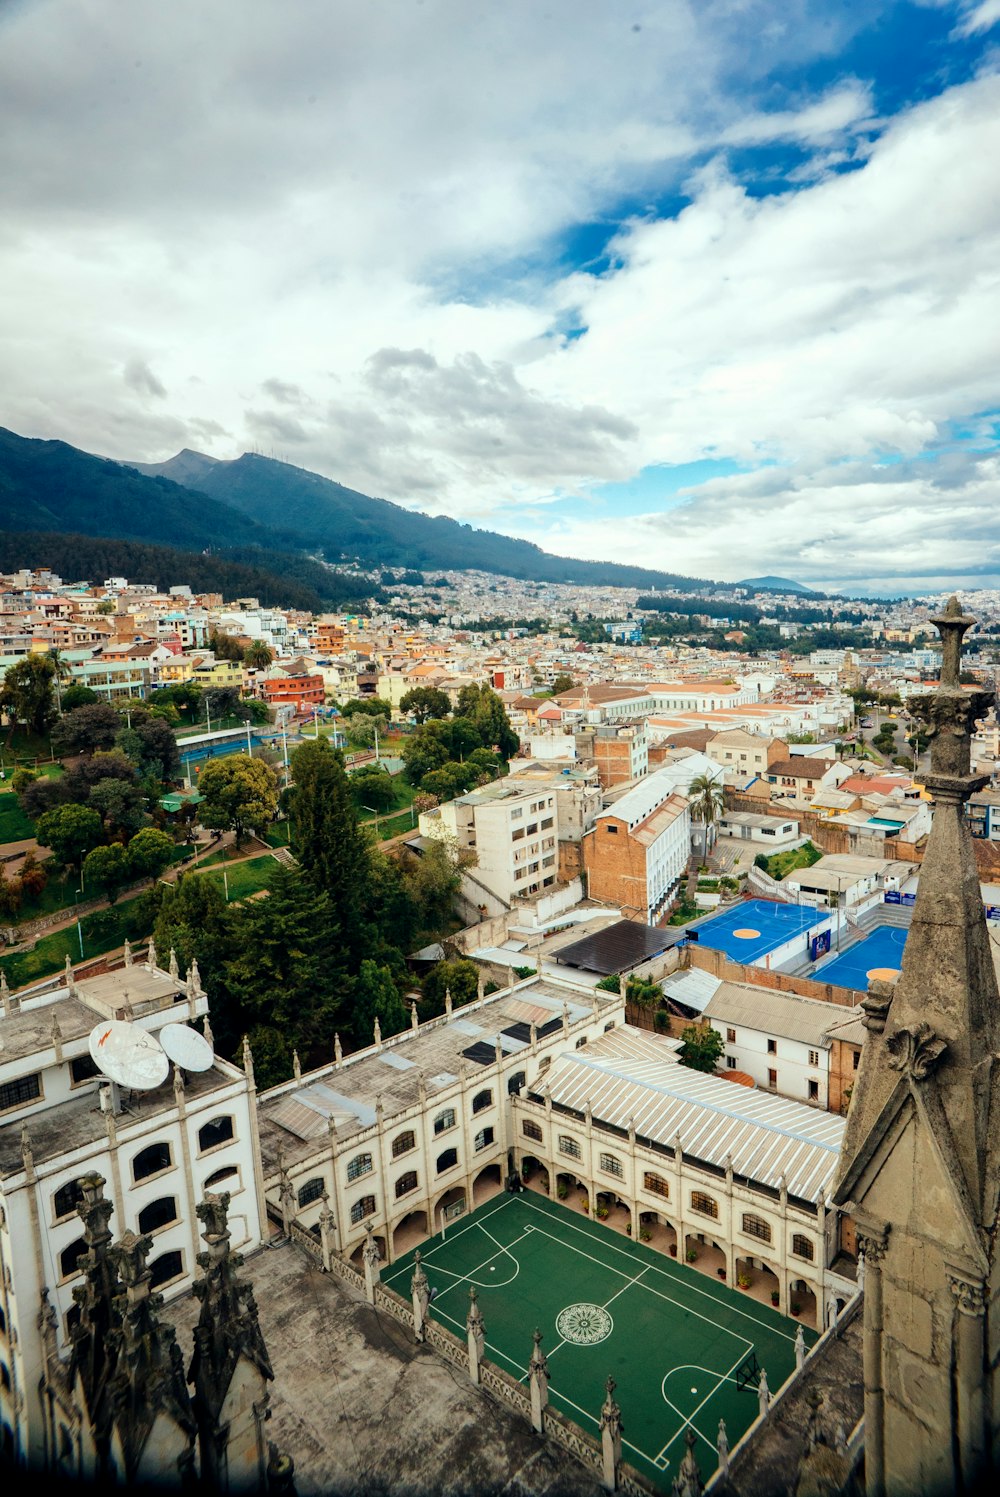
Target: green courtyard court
column 673, row 1340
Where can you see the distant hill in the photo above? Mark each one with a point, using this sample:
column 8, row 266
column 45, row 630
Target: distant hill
column 774, row 585
column 348, row 525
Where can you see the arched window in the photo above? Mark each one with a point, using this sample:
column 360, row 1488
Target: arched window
column 158, row 1214
column 569, row 1146
column 756, row 1226
column 228, row 1172
column 516, row 1082
column 403, row 1143
column 446, row 1160
column 64, row 1202
column 531, row 1129
column 361, row 1209
column 406, row 1183
column 218, row 1131
column 444, row 1120
column 703, row 1203
column 167, row 1266
column 482, row 1100
column 657, row 1185
column 151, row 1160
column 611, row 1165
column 360, row 1165
column 802, row 1247
column 69, row 1258
column 311, row 1190
column 483, row 1140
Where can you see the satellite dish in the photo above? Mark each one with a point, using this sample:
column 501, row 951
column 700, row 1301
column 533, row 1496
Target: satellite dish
column 186, row 1047
column 128, row 1055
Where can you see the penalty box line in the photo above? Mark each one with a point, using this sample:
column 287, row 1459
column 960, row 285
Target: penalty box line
column 689, row 1420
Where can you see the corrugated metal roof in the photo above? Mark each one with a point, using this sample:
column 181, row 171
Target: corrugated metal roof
column 784, row 1015
column 693, row 988
column 628, row 1075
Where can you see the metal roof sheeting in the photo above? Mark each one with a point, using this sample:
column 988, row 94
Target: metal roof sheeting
column 628, row 1075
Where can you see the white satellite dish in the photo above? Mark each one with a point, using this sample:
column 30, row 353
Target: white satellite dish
column 128, row 1055
column 186, row 1047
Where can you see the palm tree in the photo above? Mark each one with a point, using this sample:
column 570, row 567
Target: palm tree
column 257, row 656
column 705, row 794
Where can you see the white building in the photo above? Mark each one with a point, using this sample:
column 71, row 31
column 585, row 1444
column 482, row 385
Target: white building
column 158, row 1155
column 512, row 829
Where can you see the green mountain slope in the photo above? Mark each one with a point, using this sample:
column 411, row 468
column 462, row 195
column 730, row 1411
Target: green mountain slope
column 347, row 524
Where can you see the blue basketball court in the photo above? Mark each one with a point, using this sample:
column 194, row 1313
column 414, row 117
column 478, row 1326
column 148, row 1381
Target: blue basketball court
column 879, row 955
column 750, row 930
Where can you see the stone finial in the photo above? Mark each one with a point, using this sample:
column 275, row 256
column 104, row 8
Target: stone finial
column 338, row 1050
column 722, row 1445
column 414, row 1016
column 595, row 1006
column 70, row 975
column 296, row 1066
column 622, row 985
column 511, row 976
column 763, row 1394
column 207, row 1031
column 57, row 1037
column 611, row 1437
column 480, row 985
column 688, row 1480
column 800, row 1348
column 420, row 1296
column 538, row 1384
column 248, row 1059
column 5, row 1002
column 377, row 1033
column 195, row 975
column 498, row 1051
column 178, row 1083
column 151, row 957
column 26, row 1153
column 952, row 625
column 447, row 1001
column 173, row 968
column 476, row 1335
column 127, row 952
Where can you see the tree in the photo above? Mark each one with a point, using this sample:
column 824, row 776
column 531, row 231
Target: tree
column 373, row 788
column 563, row 682
column 433, row 885
column 119, row 805
column 194, row 920
column 460, row 978
column 364, row 727
column 706, row 799
column 328, row 842
column 448, row 781
column 71, row 832
column 424, row 702
column 85, row 729
column 108, row 868
column 487, row 712
column 257, row 655
column 240, row 794
column 149, row 852
column 225, row 646
column 28, row 692
column 376, row 996
column 78, row 695
column 701, row 1048
column 151, row 746
column 374, row 705
column 421, row 753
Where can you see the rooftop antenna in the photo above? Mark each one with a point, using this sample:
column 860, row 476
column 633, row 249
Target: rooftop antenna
column 186, row 1047
column 128, row 1056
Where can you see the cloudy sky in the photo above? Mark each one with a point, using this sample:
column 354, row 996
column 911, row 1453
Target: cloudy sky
column 711, row 285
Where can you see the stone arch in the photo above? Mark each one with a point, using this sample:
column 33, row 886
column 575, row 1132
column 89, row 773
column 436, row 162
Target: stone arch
column 663, row 1234
column 449, row 1197
column 577, row 1191
column 356, row 1259
column 409, row 1232
column 802, row 1293
column 709, row 1254
column 535, row 1174
column 488, row 1183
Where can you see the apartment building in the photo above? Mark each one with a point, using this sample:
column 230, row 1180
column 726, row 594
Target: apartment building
column 745, row 754
column 513, row 829
column 639, row 848
column 620, row 751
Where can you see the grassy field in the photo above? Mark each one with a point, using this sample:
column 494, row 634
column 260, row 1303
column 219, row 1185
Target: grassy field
column 782, row 863
column 102, row 931
column 242, row 879
column 14, row 825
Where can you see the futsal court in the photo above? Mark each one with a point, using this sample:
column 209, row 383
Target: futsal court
column 682, row 1348
column 878, row 955
column 751, row 929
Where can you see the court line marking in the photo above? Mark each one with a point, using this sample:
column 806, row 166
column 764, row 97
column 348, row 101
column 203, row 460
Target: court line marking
column 459, row 1232
column 763, row 1325
column 608, row 1302
column 690, row 1421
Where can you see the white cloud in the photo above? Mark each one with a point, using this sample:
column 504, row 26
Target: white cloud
column 979, row 18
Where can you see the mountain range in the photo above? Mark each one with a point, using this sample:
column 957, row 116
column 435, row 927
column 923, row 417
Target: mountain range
column 271, row 516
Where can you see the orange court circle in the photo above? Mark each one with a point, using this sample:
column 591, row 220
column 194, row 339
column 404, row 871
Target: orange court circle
column 746, row 934
column 883, row 974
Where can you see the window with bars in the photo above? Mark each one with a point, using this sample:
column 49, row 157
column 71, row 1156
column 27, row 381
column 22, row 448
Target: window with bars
column 444, row 1120
column 802, row 1247
column 516, row 1082
column 360, row 1165
column 151, row 1160
column 704, row 1204
column 361, row 1209
column 406, row 1183
column 311, row 1191
column 482, row 1140
column 611, row 1165
column 17, row 1093
column 569, row 1146
column 228, row 1172
column 64, row 1202
column 82, row 1069
column 814, row 1057
column 756, row 1226
column 69, row 1258
column 403, row 1143
column 482, row 1100
column 531, row 1129
column 657, row 1185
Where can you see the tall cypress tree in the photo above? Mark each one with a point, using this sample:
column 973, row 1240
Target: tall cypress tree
column 329, row 843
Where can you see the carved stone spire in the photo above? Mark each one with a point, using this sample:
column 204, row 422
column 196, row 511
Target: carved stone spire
column 127, row 950
column 151, row 957
column 5, row 1002
column 173, row 968
column 91, row 1359
column 227, row 1332
column 920, row 1168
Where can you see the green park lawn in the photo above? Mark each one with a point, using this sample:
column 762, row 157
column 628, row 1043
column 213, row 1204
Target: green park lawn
column 14, row 825
column 783, row 863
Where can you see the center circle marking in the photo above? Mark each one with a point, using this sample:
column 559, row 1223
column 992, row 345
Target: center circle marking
column 584, row 1325
column 746, row 933
column 886, row 974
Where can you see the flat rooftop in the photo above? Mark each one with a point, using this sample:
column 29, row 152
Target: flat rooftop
column 618, row 947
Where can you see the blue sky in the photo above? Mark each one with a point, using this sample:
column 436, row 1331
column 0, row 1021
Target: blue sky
column 705, row 284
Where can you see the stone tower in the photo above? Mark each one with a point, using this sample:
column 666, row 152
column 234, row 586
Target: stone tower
column 920, row 1169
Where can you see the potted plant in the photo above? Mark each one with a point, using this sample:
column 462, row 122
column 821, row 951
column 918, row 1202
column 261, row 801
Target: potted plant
column 774, row 1297
column 585, row 1204
column 692, row 1255
column 673, row 1250
column 721, row 1271
column 628, row 1229
column 601, row 1213
column 743, row 1280
column 645, row 1234
column 562, row 1191
column 795, row 1307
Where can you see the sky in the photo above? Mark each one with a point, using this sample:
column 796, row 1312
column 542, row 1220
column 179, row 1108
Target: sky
column 708, row 285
